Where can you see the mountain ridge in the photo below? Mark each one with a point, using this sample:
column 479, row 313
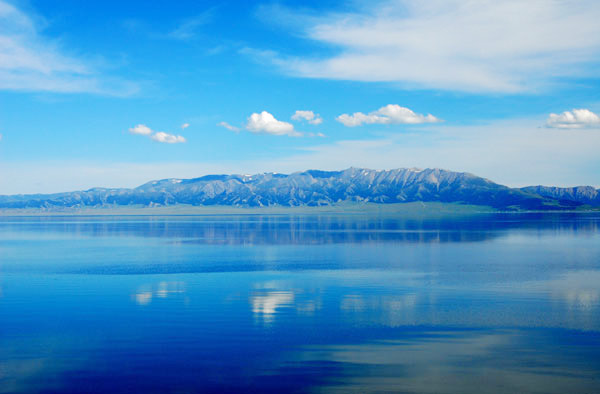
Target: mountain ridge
column 319, row 188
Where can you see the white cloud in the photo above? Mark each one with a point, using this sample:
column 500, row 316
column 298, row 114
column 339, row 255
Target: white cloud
column 390, row 114
column 228, row 126
column 514, row 152
column 481, row 46
column 159, row 136
column 141, row 130
column 308, row 116
column 575, row 119
column 30, row 62
column 166, row 138
column 266, row 123
column 185, row 126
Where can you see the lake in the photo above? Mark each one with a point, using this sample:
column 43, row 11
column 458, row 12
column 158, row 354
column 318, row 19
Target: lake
column 480, row 303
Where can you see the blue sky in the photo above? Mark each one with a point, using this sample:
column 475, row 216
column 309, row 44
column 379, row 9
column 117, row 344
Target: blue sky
column 98, row 93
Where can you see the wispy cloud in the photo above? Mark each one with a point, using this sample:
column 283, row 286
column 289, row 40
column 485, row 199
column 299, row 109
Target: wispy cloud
column 477, row 46
column 575, row 119
column 31, row 62
column 158, row 136
column 390, row 114
column 189, row 27
column 266, row 123
column 308, row 116
column 185, row 126
column 228, row 126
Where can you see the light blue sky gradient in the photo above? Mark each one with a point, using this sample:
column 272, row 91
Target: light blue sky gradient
column 76, row 76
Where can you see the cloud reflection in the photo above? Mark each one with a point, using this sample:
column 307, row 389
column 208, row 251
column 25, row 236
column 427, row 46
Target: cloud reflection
column 584, row 299
column 145, row 294
column 388, row 310
column 265, row 305
column 452, row 362
column 579, row 290
column 143, row 298
column 309, row 307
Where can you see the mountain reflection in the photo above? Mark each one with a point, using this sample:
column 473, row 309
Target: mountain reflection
column 309, row 230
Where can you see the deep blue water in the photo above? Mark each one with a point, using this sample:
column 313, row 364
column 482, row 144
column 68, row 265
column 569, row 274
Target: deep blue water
column 465, row 304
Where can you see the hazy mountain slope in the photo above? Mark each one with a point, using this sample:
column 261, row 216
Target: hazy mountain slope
column 582, row 194
column 308, row 188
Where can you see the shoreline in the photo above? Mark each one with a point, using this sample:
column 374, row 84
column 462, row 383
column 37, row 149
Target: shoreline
column 408, row 209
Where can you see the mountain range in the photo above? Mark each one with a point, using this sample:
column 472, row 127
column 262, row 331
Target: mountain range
column 317, row 188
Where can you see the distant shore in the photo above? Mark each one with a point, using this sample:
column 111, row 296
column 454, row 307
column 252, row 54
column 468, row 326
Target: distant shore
column 406, row 209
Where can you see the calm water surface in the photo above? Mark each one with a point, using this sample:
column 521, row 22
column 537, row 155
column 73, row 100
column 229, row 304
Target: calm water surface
column 483, row 304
